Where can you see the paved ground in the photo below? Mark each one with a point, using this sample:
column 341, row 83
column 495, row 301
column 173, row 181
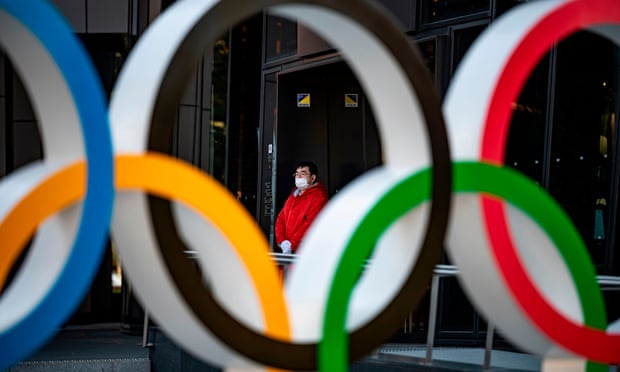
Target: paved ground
column 106, row 348
column 92, row 348
column 462, row 359
column 473, row 358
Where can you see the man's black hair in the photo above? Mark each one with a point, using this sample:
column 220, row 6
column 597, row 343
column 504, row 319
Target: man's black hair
column 314, row 170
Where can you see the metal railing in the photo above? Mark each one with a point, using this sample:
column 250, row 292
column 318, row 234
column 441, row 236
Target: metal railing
column 442, row 271
column 284, row 260
column 606, row 282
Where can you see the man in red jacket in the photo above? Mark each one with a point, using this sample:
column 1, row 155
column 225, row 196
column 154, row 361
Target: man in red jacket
column 301, row 207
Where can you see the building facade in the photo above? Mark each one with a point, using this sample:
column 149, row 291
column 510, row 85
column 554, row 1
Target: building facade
column 244, row 120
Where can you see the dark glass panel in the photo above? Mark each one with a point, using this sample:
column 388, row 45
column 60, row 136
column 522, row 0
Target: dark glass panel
column 428, row 51
column 502, row 6
column 526, row 136
column 583, row 142
column 438, row 10
column 462, row 40
column 456, row 317
column 281, row 40
column 402, row 10
column 217, row 136
column 241, row 167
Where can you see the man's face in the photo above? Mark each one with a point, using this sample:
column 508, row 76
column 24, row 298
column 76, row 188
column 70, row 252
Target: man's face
column 304, row 172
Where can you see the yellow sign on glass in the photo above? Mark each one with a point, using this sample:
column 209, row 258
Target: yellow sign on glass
column 303, row 99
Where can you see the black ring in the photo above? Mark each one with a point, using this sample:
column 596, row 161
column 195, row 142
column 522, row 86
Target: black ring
column 189, row 281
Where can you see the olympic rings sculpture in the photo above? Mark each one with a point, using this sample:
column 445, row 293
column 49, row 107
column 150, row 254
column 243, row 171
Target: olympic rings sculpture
column 535, row 313
column 330, row 312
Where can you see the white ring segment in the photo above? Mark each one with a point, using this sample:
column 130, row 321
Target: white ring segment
column 61, row 137
column 403, row 136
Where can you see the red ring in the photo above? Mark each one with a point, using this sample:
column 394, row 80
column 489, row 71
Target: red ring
column 566, row 19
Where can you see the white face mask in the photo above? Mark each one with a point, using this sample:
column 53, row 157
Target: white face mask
column 301, row 183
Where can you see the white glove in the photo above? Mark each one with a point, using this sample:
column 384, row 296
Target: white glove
column 286, row 247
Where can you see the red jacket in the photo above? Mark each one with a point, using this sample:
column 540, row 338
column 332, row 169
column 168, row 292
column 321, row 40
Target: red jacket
column 298, row 213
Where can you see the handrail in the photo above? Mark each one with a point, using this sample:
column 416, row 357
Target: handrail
column 608, row 282
column 284, row 258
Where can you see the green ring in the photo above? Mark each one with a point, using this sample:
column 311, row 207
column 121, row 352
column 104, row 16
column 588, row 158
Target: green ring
column 501, row 182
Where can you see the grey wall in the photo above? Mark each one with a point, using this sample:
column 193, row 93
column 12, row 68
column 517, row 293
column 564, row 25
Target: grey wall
column 109, row 16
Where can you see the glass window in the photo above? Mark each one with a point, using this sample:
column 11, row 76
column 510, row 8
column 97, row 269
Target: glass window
column 526, row 136
column 439, row 10
column 583, row 138
column 281, row 40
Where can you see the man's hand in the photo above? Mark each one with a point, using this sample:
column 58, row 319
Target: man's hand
column 286, row 247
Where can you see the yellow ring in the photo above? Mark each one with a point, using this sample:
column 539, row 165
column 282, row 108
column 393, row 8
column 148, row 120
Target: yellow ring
column 57, row 192
column 169, row 178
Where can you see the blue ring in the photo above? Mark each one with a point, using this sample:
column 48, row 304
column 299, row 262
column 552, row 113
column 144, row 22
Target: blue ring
column 34, row 330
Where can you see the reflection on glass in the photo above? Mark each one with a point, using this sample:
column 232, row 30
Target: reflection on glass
column 281, row 40
column 117, row 271
column 219, row 78
column 526, row 136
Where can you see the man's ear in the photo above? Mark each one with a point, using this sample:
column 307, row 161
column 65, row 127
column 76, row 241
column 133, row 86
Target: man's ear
column 313, row 178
